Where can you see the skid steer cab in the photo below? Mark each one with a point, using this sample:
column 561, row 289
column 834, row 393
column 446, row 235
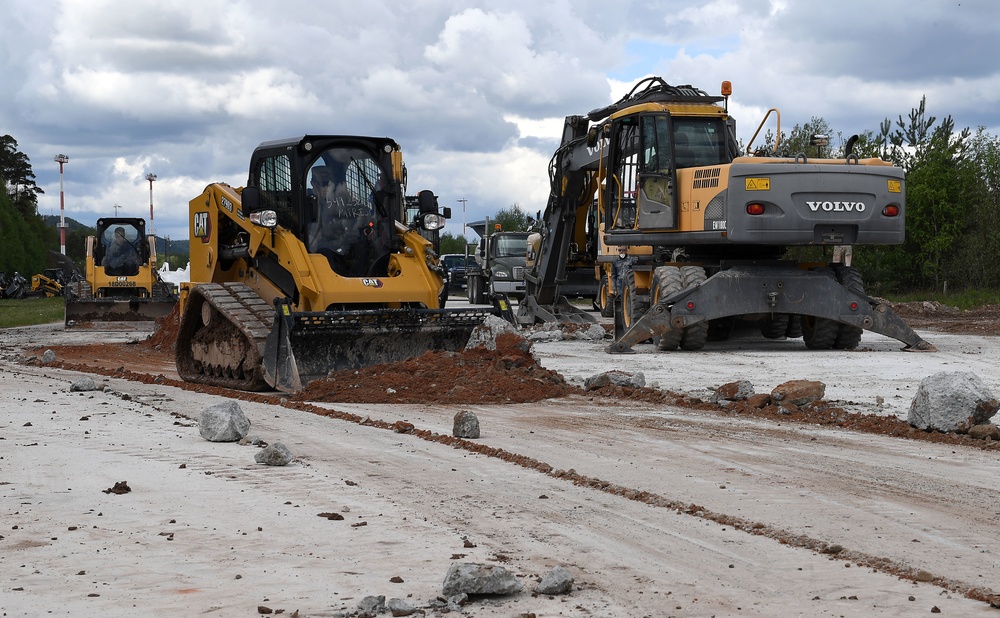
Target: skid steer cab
column 310, row 268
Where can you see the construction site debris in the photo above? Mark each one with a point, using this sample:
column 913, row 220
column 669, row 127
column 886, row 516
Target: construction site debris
column 952, row 401
column 466, row 425
column 275, row 454
column 473, row 578
column 223, row 422
column 557, row 581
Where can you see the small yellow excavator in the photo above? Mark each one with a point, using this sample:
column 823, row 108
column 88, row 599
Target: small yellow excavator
column 315, row 265
column 121, row 283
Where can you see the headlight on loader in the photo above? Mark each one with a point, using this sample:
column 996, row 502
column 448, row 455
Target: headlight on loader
column 431, row 221
column 264, row 218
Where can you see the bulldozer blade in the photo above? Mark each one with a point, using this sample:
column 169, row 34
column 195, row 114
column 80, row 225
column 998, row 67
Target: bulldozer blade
column 307, row 346
column 93, row 314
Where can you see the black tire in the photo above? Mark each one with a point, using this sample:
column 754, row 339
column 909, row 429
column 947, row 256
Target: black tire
column 820, row 333
column 694, row 336
column 848, row 337
column 633, row 307
column 794, row 330
column 477, row 291
column 720, row 329
column 606, row 297
column 775, row 326
column 667, row 280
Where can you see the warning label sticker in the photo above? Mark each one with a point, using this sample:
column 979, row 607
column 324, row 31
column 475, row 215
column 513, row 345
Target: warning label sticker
column 758, row 184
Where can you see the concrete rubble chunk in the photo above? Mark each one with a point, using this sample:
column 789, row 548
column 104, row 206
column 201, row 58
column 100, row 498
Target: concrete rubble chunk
column 473, row 578
column 466, row 425
column 798, row 392
column 274, row 454
column 223, row 422
column 952, row 401
column 557, row 581
column 83, row 385
column 399, row 607
column 618, row 378
column 371, row 606
column 740, row 390
column 485, row 335
column 545, row 336
column 48, row 357
column 595, row 332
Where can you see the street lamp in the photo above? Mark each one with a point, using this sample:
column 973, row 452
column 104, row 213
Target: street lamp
column 463, row 200
column 62, row 159
column 151, row 178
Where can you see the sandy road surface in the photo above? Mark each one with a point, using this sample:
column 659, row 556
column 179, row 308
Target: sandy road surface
column 731, row 509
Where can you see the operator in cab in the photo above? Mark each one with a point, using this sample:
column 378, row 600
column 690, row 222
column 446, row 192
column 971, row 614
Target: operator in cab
column 342, row 222
column 121, row 258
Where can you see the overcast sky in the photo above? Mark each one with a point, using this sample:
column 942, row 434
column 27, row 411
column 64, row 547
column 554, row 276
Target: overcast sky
column 474, row 92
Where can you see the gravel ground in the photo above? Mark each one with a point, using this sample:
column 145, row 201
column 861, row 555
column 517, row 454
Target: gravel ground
column 657, row 506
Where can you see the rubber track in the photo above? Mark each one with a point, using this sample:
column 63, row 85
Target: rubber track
column 252, row 317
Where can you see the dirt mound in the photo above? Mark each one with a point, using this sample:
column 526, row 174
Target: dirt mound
column 165, row 336
column 509, row 374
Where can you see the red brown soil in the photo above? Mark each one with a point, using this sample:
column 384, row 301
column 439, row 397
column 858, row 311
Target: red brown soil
column 508, row 374
column 930, row 315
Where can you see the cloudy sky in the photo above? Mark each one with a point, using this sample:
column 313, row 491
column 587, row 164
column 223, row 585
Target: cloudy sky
column 474, row 92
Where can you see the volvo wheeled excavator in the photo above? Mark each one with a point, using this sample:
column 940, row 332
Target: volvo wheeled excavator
column 310, row 268
column 706, row 228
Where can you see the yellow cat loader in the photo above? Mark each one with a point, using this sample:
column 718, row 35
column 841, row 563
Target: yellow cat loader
column 708, row 227
column 48, row 283
column 121, row 283
column 309, row 269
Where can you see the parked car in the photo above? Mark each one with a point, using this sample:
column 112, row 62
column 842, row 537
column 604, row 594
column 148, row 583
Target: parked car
column 455, row 265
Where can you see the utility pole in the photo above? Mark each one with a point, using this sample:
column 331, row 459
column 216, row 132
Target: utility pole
column 463, row 201
column 62, row 159
column 151, row 178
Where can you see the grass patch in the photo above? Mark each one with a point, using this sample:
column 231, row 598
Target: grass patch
column 34, row 310
column 965, row 299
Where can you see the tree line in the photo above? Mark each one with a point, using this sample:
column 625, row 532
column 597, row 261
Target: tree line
column 24, row 237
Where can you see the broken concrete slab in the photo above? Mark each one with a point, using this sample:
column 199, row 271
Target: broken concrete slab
column 223, row 422
column 952, row 401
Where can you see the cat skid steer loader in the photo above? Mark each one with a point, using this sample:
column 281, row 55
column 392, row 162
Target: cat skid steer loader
column 310, row 269
column 121, row 283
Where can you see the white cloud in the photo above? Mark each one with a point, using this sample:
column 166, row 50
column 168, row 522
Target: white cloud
column 474, row 93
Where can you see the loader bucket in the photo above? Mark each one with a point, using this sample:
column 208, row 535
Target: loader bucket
column 307, row 346
column 94, row 313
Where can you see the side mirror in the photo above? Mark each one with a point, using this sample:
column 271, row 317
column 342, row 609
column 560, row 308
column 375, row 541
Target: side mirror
column 446, row 212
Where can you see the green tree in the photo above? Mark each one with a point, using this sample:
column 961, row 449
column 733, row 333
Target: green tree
column 800, row 140
column 512, row 219
column 453, row 244
column 974, row 262
column 23, row 234
column 18, row 178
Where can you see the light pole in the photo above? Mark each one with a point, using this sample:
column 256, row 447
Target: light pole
column 62, row 159
column 151, row 178
column 463, row 200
